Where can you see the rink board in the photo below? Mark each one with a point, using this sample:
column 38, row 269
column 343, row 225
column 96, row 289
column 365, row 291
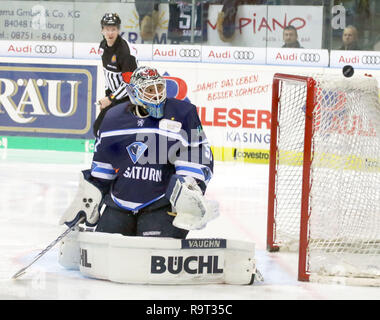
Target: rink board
column 233, row 102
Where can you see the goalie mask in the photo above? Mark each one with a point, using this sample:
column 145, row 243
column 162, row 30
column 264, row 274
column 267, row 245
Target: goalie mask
column 149, row 91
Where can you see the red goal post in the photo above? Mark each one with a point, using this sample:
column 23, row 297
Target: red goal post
column 324, row 176
column 309, row 83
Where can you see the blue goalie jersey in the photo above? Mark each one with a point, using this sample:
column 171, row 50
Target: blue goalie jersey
column 138, row 156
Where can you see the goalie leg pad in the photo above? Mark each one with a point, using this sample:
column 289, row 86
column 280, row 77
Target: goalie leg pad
column 69, row 251
column 148, row 260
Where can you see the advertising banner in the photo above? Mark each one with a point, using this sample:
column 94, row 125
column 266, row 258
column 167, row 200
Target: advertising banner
column 47, row 100
column 256, row 25
column 38, row 49
column 262, row 26
column 57, row 100
column 236, row 55
column 356, row 59
column 88, row 50
column 298, row 57
column 233, row 103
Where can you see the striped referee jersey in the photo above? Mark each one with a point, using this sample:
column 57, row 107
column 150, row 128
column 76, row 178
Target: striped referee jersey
column 118, row 66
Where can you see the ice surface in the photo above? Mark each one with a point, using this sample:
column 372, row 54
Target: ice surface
column 37, row 186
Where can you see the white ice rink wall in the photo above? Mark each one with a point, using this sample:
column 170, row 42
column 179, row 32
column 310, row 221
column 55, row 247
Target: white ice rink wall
column 48, row 103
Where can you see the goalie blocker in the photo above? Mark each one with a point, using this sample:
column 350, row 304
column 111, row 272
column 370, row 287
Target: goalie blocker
column 150, row 260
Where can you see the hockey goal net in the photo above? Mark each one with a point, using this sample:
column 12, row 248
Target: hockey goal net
column 324, row 176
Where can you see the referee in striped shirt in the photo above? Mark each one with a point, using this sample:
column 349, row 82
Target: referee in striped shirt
column 118, row 65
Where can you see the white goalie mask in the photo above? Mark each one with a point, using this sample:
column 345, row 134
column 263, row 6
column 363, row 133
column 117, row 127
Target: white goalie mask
column 149, row 90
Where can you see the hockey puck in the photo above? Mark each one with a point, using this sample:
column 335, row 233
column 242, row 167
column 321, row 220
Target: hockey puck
column 348, row 71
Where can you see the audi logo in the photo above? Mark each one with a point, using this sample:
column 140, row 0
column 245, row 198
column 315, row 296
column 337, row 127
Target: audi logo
column 310, row 57
column 243, row 55
column 371, row 59
column 42, row 48
column 190, row 53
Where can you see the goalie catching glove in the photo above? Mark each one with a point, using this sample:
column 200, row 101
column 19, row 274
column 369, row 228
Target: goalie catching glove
column 186, row 197
column 86, row 203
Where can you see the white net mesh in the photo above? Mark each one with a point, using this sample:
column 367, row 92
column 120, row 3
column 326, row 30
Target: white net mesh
column 344, row 199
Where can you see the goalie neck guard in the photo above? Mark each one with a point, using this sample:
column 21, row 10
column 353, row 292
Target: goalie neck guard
column 149, row 91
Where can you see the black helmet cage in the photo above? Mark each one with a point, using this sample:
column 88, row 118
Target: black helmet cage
column 110, row 19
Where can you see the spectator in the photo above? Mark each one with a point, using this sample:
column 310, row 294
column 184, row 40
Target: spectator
column 376, row 46
column 225, row 23
column 290, row 37
column 350, row 39
column 148, row 11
